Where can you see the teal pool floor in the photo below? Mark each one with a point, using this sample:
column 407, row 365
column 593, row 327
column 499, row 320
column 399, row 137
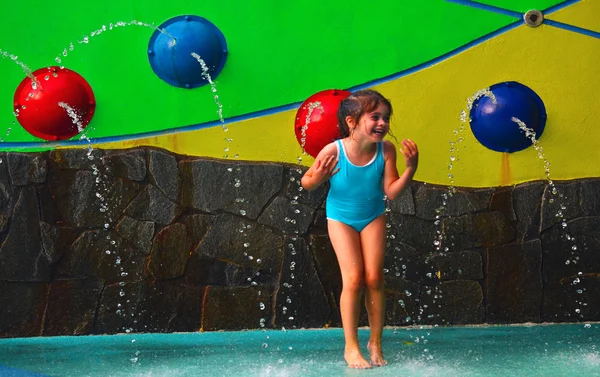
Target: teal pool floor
column 541, row 350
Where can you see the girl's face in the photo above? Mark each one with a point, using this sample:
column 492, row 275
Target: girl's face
column 375, row 124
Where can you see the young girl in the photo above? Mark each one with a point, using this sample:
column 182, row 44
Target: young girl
column 361, row 168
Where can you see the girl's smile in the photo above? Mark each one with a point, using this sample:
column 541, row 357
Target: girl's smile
column 377, row 122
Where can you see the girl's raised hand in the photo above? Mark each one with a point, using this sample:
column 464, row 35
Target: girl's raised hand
column 325, row 168
column 411, row 153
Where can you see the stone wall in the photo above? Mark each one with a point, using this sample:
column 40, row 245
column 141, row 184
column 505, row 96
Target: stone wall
column 103, row 241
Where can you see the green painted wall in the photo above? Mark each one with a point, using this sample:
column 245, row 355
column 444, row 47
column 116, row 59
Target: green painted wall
column 279, row 53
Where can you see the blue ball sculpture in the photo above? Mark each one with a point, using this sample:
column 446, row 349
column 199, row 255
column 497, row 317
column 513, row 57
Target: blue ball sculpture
column 177, row 43
column 493, row 124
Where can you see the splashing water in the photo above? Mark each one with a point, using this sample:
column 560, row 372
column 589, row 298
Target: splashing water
column 102, row 193
column 531, row 135
column 111, row 26
column 74, row 117
column 439, row 246
column 213, row 88
column 24, row 67
column 454, row 157
column 311, row 107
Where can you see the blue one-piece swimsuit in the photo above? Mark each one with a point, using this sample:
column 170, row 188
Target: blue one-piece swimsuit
column 356, row 192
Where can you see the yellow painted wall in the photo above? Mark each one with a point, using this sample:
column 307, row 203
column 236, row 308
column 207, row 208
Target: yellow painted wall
column 561, row 66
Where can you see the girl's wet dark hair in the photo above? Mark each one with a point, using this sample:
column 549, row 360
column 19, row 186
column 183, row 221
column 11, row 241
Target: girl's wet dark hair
column 357, row 104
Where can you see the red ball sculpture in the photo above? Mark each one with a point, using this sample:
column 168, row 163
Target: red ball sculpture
column 56, row 105
column 316, row 122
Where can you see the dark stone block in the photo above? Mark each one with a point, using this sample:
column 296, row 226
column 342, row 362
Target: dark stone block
column 320, row 220
column 152, row 205
column 514, row 283
column 502, row 201
column 287, row 217
column 479, row 229
column 237, row 308
column 242, row 242
column 571, row 271
column 295, row 191
column 72, row 306
column 4, row 219
column 170, row 252
column 76, row 196
column 241, row 189
column 130, row 164
column 120, row 308
column 462, row 265
column 137, row 233
column 404, row 204
column 590, row 197
column 164, row 173
column 188, row 311
column 56, row 240
column 22, row 256
column 88, row 257
column 433, row 201
column 146, row 307
column 7, row 192
column 329, row 272
column 527, row 199
column 412, row 231
column 558, row 204
column 79, row 159
column 4, row 175
column 26, row 168
column 402, row 305
column 23, row 307
column 404, row 261
column 301, row 300
column 197, row 226
column 202, row 271
column 49, row 212
column 453, row 302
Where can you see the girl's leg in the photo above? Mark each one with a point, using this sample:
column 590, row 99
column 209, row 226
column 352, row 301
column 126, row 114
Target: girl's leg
column 373, row 246
column 346, row 244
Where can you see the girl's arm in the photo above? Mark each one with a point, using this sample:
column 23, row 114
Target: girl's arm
column 322, row 169
column 393, row 184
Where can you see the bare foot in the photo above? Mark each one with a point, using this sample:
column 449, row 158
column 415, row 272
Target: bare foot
column 356, row 360
column 377, row 358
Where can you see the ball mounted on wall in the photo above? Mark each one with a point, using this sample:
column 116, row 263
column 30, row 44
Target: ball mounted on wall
column 54, row 103
column 492, row 123
column 316, row 123
column 171, row 47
